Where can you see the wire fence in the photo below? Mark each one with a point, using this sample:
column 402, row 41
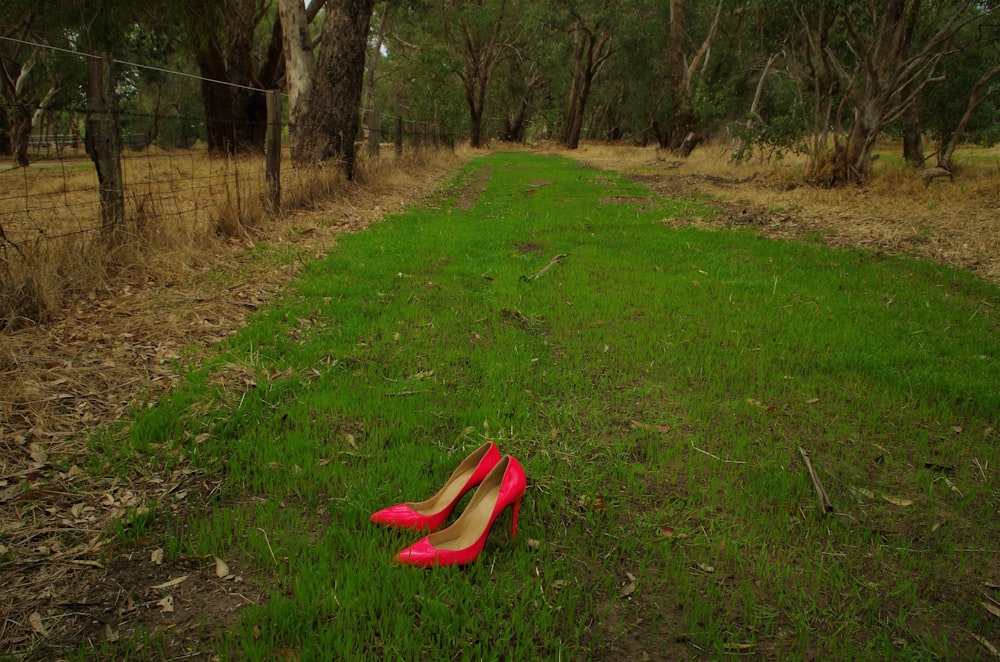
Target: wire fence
column 56, row 185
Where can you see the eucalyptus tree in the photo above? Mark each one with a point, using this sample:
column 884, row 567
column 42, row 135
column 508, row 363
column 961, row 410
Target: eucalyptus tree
column 225, row 37
column 327, row 101
column 34, row 69
column 966, row 103
column 891, row 51
column 592, row 28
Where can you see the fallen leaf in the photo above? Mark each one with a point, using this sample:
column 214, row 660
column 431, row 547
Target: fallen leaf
column 286, row 655
column 992, row 608
column 957, row 428
column 35, row 621
column 221, row 568
column 812, row 401
column 628, row 590
column 991, row 585
column 167, row 604
column 203, row 437
column 9, row 493
column 156, row 556
column 534, row 544
column 860, row 491
column 172, row 582
column 557, row 584
column 38, row 453
column 897, row 500
column 704, row 567
column 667, row 531
column 986, row 644
column 736, row 646
column 109, row 633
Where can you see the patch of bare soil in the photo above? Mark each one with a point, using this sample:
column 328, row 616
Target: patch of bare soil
column 472, row 190
column 64, row 581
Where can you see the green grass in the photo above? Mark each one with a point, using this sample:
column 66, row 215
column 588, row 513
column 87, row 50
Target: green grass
column 384, row 364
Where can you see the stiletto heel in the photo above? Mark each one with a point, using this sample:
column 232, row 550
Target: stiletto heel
column 463, row 541
column 431, row 513
column 513, row 523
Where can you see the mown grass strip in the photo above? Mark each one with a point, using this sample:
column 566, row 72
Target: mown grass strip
column 656, row 383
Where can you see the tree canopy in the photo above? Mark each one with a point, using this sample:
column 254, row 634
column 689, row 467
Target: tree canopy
column 826, row 77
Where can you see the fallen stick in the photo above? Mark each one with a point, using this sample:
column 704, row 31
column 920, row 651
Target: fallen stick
column 541, row 271
column 825, row 504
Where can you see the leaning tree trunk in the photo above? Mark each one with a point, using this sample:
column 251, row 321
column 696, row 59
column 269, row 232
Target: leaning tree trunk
column 947, row 151
column 335, row 97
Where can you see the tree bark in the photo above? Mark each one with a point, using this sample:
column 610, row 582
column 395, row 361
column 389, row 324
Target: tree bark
column 913, row 141
column 20, row 133
column 235, row 112
column 334, row 100
column 300, row 69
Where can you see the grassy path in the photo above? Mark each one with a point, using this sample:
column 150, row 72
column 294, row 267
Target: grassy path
column 657, row 384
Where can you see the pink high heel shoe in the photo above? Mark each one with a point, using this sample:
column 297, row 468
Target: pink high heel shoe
column 462, row 542
column 431, row 514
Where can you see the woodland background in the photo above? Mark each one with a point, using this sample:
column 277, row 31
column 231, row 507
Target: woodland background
column 825, row 78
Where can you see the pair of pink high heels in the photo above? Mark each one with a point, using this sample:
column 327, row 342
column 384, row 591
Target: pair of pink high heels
column 501, row 483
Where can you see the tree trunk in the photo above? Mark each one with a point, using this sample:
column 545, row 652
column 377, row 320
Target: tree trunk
column 300, row 70
column 6, row 148
column 913, row 142
column 515, row 124
column 684, row 136
column 591, row 51
column 20, row 133
column 333, row 103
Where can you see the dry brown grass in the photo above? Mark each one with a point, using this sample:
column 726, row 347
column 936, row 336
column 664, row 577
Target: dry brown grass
column 956, row 223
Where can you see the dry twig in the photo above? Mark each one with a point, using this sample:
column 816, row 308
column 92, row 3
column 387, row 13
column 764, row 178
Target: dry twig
column 825, row 504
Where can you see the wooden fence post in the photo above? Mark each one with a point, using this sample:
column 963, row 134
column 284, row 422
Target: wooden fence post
column 272, row 149
column 104, row 144
column 398, row 137
column 373, row 120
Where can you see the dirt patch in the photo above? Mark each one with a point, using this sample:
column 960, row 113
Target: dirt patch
column 182, row 604
column 472, row 189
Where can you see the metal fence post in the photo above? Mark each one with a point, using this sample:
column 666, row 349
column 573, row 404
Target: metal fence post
column 272, row 148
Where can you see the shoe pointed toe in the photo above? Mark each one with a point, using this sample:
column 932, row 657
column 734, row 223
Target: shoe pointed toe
column 421, row 553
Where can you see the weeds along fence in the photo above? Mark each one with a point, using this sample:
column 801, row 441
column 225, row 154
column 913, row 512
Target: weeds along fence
column 125, row 168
